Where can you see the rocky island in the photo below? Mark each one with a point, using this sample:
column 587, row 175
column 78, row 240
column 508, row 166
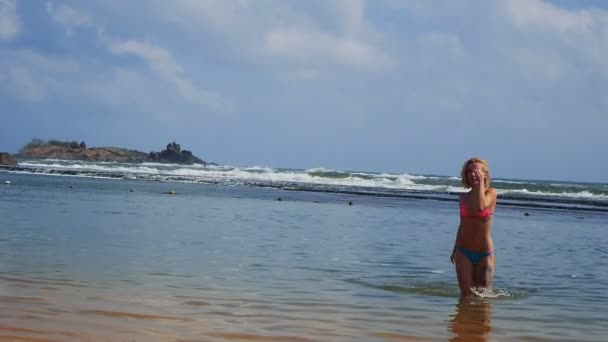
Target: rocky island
column 55, row 149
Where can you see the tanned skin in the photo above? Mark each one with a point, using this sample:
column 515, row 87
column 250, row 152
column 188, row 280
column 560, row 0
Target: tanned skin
column 474, row 235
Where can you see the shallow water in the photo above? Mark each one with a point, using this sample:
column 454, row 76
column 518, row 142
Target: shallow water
column 85, row 258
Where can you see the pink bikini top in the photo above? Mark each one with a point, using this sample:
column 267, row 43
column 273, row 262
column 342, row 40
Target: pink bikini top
column 464, row 212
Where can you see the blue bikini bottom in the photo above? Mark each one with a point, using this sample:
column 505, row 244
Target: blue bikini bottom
column 474, row 257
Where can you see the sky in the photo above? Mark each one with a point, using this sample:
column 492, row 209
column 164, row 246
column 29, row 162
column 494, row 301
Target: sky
column 404, row 86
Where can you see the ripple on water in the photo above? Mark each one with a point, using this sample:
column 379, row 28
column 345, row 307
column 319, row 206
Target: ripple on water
column 438, row 288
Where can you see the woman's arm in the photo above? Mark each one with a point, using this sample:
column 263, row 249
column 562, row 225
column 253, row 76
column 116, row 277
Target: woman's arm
column 455, row 244
column 482, row 198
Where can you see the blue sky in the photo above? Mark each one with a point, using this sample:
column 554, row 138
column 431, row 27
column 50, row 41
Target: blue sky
column 386, row 85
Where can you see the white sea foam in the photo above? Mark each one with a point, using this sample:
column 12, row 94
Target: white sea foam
column 241, row 174
column 58, row 166
column 580, row 194
column 102, row 167
column 403, row 175
column 175, row 165
column 506, row 181
column 318, row 169
column 267, row 175
column 259, row 168
column 456, row 189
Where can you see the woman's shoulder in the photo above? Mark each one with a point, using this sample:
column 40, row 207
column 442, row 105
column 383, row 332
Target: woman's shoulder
column 491, row 192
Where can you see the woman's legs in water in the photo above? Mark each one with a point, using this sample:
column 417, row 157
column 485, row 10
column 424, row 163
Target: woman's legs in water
column 483, row 272
column 464, row 271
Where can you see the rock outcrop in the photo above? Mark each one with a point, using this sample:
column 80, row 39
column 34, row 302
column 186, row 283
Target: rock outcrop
column 174, row 154
column 54, row 149
column 7, row 159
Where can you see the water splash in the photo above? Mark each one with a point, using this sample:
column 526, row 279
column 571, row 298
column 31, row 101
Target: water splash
column 441, row 289
column 492, row 293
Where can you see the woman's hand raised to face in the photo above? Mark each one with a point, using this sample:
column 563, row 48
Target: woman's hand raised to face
column 478, row 177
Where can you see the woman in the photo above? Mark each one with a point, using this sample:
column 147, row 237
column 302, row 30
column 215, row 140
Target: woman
column 473, row 252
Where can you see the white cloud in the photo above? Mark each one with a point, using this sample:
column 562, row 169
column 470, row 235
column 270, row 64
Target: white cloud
column 32, row 77
column 424, row 8
column 308, row 48
column 300, row 75
column 67, row 16
column 157, row 58
column 351, row 14
column 28, row 76
column 582, row 32
column 25, row 86
column 161, row 62
column 10, row 24
column 545, row 16
column 236, row 21
column 290, row 37
column 541, row 64
column 440, row 42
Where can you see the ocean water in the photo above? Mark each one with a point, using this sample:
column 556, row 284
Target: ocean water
column 88, row 253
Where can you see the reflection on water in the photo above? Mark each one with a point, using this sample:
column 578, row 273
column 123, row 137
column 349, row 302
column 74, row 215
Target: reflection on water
column 472, row 320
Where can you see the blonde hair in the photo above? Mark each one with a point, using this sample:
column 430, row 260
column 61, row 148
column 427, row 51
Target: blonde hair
column 484, row 168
